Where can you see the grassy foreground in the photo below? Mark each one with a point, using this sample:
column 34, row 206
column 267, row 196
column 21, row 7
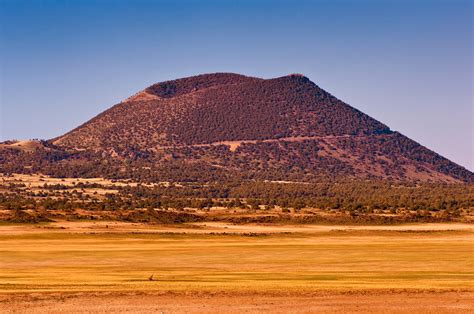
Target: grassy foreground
column 293, row 262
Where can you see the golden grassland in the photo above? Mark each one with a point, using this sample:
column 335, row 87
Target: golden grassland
column 43, row 260
column 39, row 180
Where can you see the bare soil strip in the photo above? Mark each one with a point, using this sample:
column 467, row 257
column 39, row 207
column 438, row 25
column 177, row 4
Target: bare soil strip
column 216, row 227
column 359, row 302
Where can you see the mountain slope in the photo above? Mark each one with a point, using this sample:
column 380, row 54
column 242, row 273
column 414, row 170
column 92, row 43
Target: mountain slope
column 225, row 126
column 227, row 107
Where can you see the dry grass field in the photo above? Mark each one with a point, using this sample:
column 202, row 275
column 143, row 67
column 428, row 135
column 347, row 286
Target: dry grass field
column 82, row 266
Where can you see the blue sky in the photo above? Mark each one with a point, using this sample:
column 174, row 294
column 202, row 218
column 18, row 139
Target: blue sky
column 406, row 63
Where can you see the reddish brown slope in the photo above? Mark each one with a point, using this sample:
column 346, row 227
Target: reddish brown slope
column 225, row 126
column 221, row 107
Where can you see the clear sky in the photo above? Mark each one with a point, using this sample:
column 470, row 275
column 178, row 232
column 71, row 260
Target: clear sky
column 407, row 63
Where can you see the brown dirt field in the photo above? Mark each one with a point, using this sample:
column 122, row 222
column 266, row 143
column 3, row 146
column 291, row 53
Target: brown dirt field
column 321, row 302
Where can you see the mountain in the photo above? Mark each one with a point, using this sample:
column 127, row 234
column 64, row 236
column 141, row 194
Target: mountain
column 227, row 126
